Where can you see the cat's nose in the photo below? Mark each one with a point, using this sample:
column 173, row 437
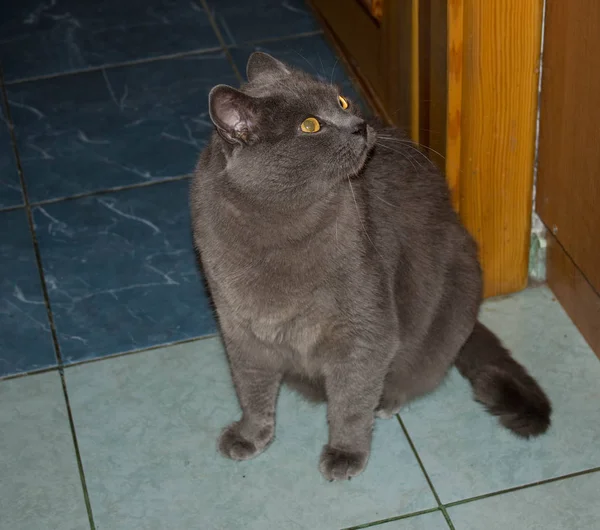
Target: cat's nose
column 360, row 128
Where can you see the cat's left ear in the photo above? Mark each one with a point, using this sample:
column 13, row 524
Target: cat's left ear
column 234, row 113
column 262, row 64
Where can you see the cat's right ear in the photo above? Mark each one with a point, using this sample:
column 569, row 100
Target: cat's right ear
column 234, row 113
column 262, row 64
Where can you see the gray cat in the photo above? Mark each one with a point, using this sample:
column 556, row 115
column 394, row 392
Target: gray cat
column 337, row 265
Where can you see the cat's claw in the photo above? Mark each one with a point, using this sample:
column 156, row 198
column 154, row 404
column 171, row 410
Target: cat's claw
column 341, row 465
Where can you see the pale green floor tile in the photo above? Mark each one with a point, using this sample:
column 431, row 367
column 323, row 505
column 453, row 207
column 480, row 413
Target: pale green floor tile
column 40, row 487
column 147, row 426
column 569, row 504
column 465, row 450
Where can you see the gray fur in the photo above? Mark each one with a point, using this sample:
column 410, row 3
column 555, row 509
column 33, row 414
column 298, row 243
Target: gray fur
column 337, row 265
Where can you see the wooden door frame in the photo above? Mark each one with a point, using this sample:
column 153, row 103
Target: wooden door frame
column 568, row 187
column 491, row 130
column 488, row 113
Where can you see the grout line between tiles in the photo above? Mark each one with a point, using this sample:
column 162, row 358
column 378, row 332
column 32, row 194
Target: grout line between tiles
column 523, row 487
column 284, row 38
column 105, row 191
column 162, row 180
column 110, row 66
column 66, row 366
column 416, row 453
column 11, row 208
column 392, row 519
column 443, row 506
column 38, row 258
column 224, row 46
column 86, row 495
column 141, row 350
column 166, row 57
column 37, row 371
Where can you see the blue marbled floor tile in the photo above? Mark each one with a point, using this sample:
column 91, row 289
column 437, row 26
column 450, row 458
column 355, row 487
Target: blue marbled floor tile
column 40, row 487
column 121, row 271
column 116, row 127
column 10, row 186
column 311, row 54
column 468, row 453
column 49, row 37
column 251, row 20
column 570, row 504
column 147, row 426
column 25, row 339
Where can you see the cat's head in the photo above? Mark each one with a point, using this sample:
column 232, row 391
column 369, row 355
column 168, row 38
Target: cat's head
column 285, row 133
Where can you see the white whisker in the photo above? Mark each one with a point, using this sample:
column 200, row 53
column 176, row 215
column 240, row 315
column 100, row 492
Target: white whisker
column 383, row 201
column 360, row 219
column 411, row 144
column 333, row 71
column 405, row 155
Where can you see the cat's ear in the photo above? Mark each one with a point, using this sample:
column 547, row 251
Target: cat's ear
column 262, row 64
column 234, row 113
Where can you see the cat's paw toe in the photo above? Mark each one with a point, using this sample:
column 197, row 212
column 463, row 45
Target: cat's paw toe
column 237, row 447
column 341, row 465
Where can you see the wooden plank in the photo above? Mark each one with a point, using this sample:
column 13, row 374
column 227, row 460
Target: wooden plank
column 575, row 293
column 366, row 89
column 397, row 60
column 437, row 95
column 568, row 189
column 499, row 106
column 374, row 7
column 347, row 20
column 415, row 65
column 379, row 54
column 455, row 53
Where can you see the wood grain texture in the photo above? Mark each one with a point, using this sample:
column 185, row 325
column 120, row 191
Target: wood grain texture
column 415, row 70
column 455, row 30
column 497, row 137
column 379, row 53
column 397, row 45
column 435, row 91
column 372, row 95
column 575, row 293
column 568, row 190
column 347, row 20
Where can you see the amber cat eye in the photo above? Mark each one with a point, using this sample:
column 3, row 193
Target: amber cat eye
column 343, row 102
column 310, row 125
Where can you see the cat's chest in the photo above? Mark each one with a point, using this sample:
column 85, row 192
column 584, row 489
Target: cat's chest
column 298, row 334
column 273, row 282
column 287, row 312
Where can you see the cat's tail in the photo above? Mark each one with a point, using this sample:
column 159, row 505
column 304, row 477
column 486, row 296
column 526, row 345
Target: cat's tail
column 502, row 385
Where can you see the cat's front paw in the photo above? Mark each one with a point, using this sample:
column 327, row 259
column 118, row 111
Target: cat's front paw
column 237, row 446
column 341, row 465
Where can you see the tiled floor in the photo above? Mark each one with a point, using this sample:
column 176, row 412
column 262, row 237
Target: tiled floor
column 104, row 114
